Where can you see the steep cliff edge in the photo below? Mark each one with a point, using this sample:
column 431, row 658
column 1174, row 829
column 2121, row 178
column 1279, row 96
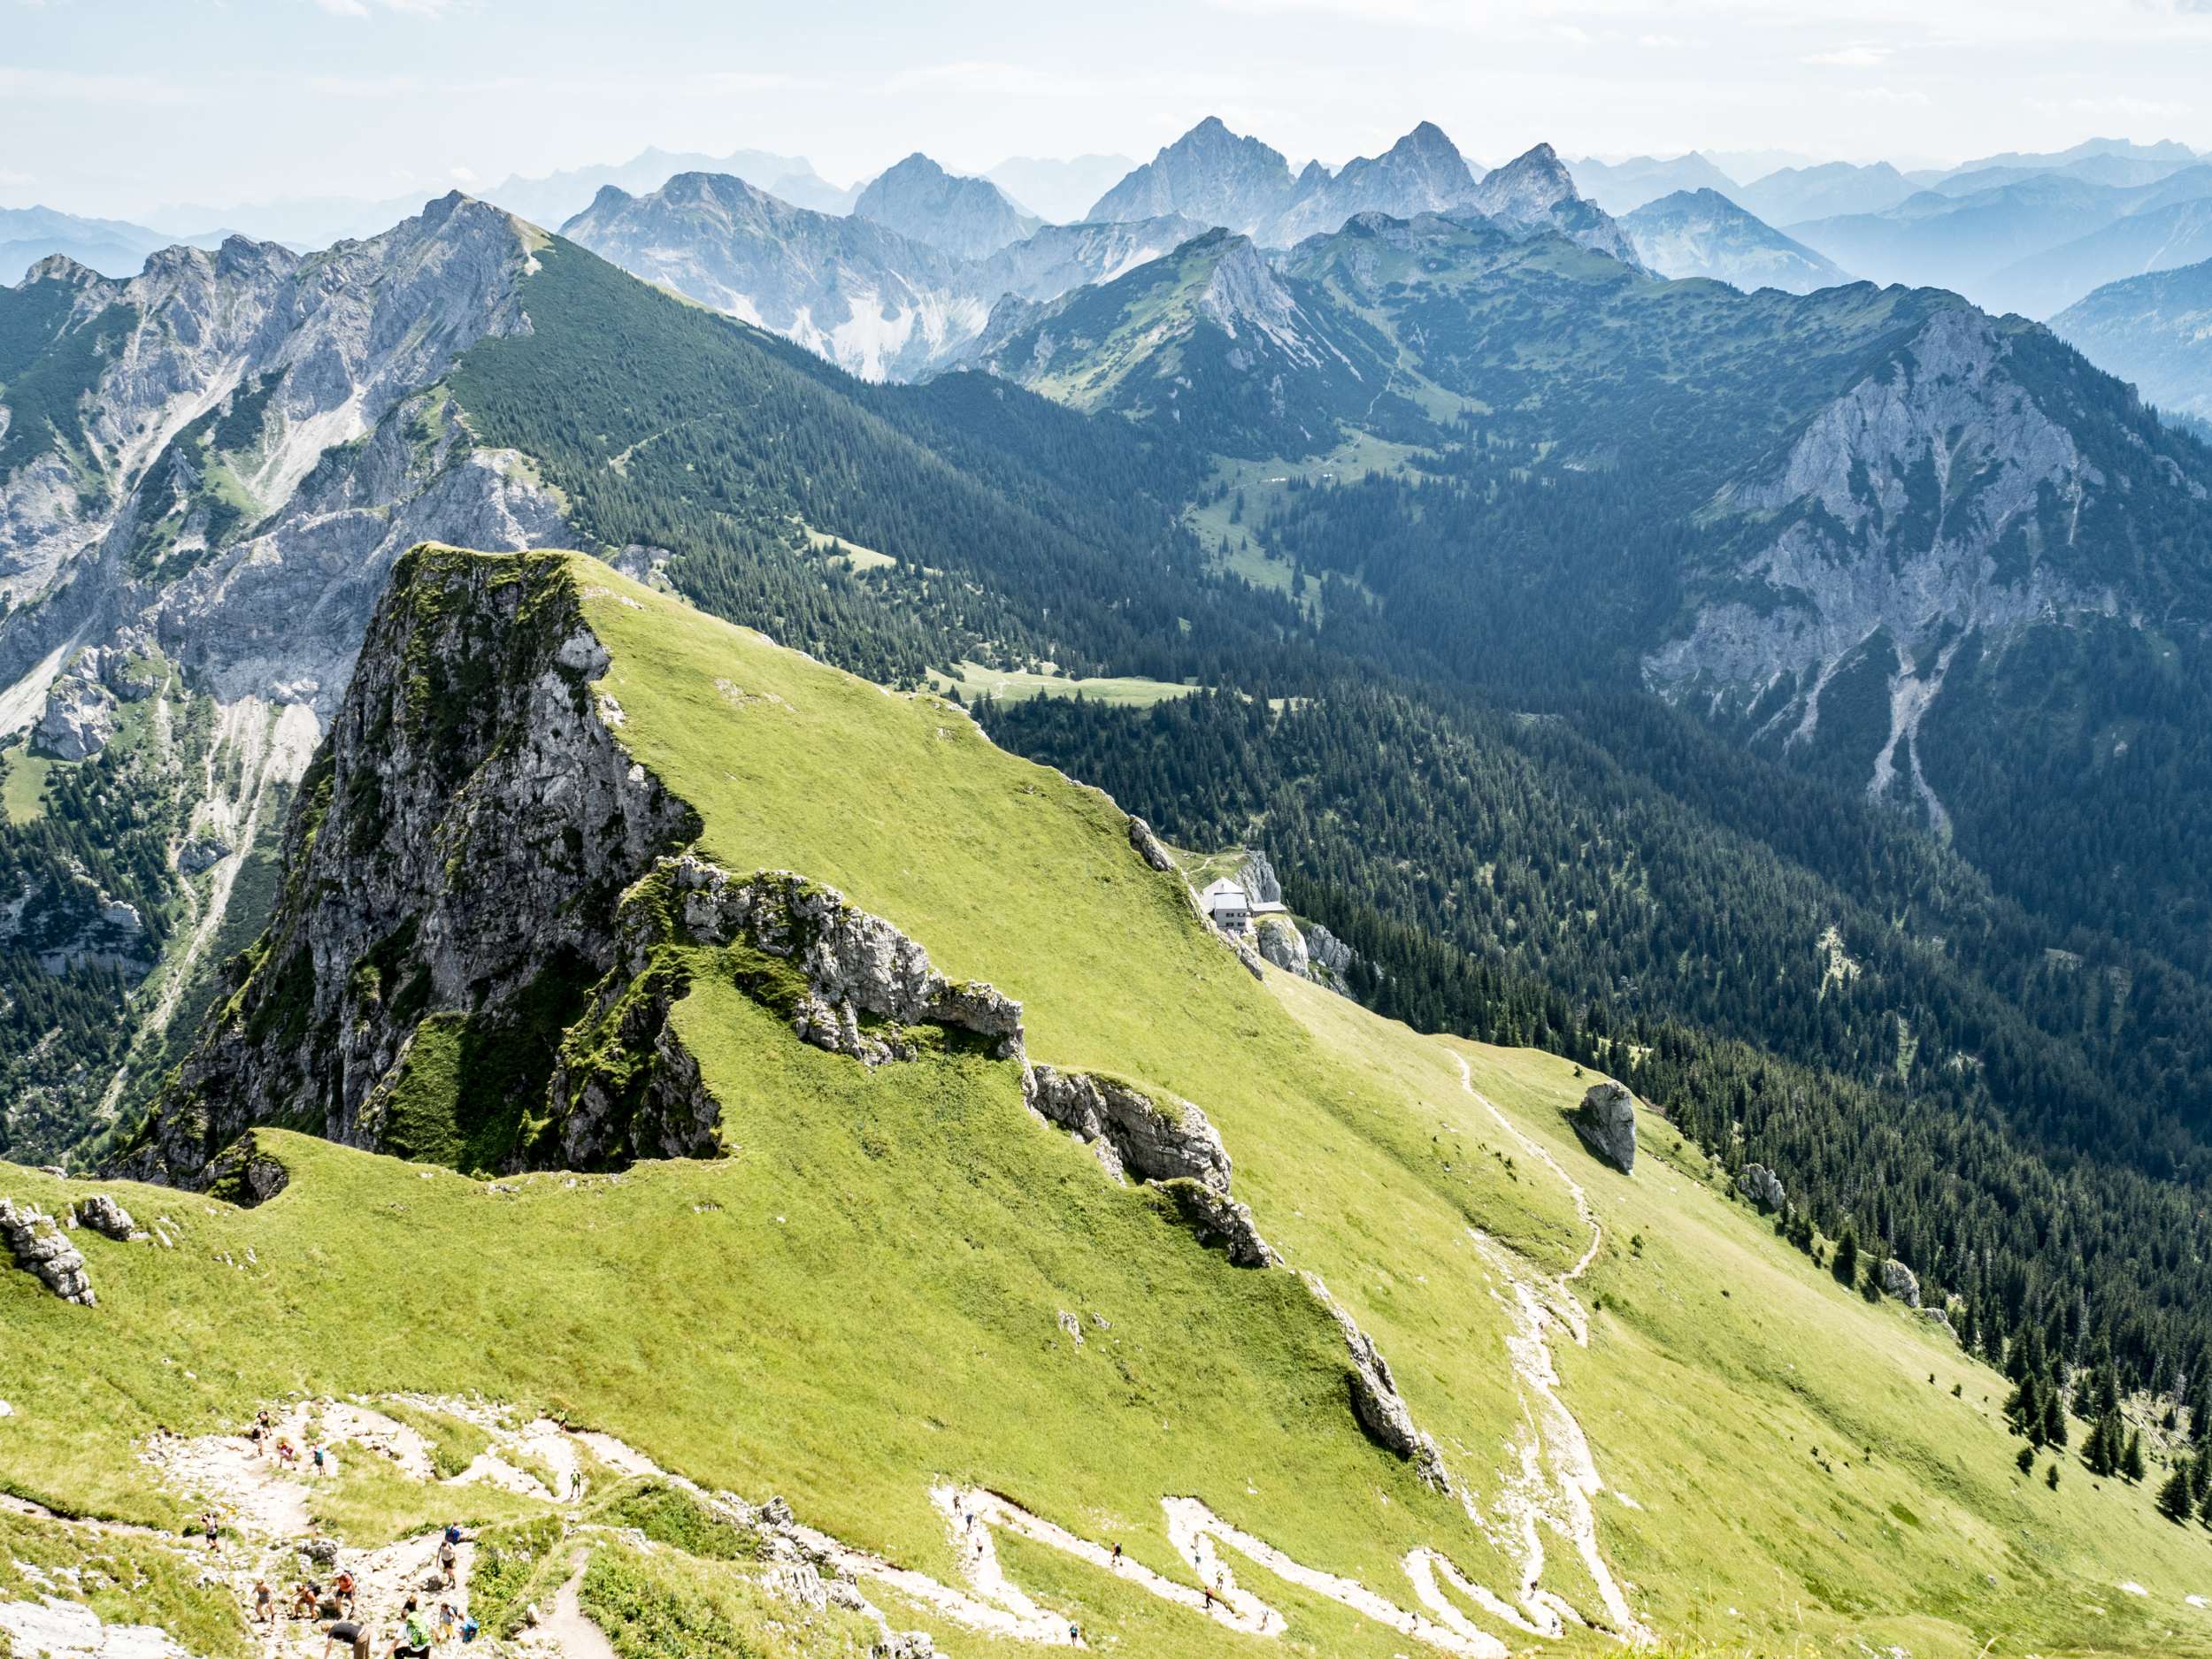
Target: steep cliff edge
column 452, row 866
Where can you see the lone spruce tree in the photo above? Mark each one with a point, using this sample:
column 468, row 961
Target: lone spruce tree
column 1846, row 1266
column 2175, row 1499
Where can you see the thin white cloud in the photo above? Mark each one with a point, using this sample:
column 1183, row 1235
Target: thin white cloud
column 405, row 8
column 67, row 86
column 1892, row 97
column 464, row 175
column 1860, row 57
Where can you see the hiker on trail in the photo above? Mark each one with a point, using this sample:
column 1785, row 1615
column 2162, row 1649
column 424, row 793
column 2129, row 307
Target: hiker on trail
column 207, row 1523
column 446, row 1622
column 343, row 1587
column 264, row 1603
column 348, row 1635
column 318, row 1460
column 1117, row 1557
column 414, row 1640
column 447, row 1556
column 1207, row 1590
column 254, row 1434
column 306, row 1598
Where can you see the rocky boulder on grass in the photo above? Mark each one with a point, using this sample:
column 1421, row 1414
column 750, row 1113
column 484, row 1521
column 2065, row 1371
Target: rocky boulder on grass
column 42, row 1250
column 1763, row 1187
column 1606, row 1121
column 1901, row 1282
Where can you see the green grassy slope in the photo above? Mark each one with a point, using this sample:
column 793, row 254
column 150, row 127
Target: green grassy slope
column 862, row 1296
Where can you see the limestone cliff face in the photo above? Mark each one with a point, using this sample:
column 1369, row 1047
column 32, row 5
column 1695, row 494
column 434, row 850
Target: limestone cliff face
column 458, row 850
column 1959, row 486
column 257, row 447
column 251, row 439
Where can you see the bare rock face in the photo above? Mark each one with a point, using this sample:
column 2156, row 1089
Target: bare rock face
column 245, row 1174
column 458, row 849
column 1901, row 1282
column 1763, row 1187
column 1375, row 1398
column 1132, row 1133
column 1148, row 845
column 1281, row 943
column 80, row 716
column 858, row 966
column 1257, row 875
column 106, row 1218
column 1606, row 1121
column 1213, row 1214
column 42, row 1250
column 1330, row 957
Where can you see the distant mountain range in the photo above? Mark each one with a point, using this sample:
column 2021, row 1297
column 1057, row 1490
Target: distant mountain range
column 305, row 222
column 971, row 218
column 112, row 247
column 1703, row 233
column 930, row 267
column 2032, row 245
column 1218, row 177
column 880, row 304
column 2154, row 330
column 1060, row 190
column 1622, row 186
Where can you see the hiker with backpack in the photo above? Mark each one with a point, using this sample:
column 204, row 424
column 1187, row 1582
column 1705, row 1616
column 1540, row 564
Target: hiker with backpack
column 352, row 1638
column 414, row 1637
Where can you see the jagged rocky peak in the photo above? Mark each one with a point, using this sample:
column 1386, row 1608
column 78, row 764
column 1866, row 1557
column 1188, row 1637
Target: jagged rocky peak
column 454, row 860
column 1535, row 192
column 1703, row 234
column 1211, row 174
column 1423, row 172
column 970, row 218
column 1527, row 187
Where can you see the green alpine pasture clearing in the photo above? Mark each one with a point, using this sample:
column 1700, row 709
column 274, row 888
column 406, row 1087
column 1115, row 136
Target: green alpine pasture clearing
column 1012, row 684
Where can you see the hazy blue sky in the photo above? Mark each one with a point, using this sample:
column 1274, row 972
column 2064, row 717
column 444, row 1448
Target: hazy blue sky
column 117, row 105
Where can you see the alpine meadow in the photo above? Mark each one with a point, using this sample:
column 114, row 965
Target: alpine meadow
column 918, row 859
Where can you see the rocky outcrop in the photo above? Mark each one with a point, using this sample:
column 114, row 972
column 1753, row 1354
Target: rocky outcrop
column 104, row 1215
column 1606, row 1121
column 864, row 978
column 1256, row 876
column 1330, row 957
column 1212, row 1213
column 458, row 849
column 201, row 851
column 1375, row 1398
column 80, row 718
column 1132, row 1133
column 246, row 1173
column 845, row 980
column 1148, row 846
column 67, row 920
column 42, row 1250
column 1763, row 1187
column 1279, row 942
column 1901, row 1282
